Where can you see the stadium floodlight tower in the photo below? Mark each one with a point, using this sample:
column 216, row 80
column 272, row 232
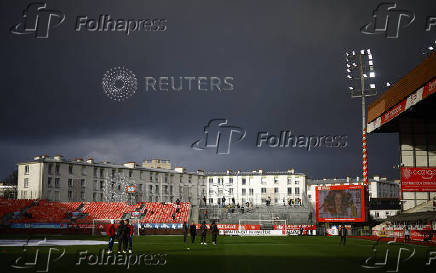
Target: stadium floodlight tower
column 360, row 76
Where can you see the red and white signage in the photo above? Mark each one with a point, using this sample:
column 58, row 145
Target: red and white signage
column 130, row 189
column 418, row 179
column 405, row 104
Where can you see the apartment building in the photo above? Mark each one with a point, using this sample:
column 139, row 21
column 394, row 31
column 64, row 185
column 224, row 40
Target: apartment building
column 58, row 179
column 256, row 187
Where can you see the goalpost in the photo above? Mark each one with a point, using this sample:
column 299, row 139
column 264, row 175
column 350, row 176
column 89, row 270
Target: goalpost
column 258, row 227
column 99, row 226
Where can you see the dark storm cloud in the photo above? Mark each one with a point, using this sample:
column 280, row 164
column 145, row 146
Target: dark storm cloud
column 287, row 58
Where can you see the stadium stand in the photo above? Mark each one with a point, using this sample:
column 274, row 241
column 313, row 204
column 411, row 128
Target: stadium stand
column 42, row 211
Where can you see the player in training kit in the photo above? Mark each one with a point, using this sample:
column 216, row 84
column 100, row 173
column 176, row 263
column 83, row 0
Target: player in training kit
column 185, row 231
column 203, row 230
column 214, row 229
column 128, row 237
column 121, row 233
column 193, row 230
column 110, row 231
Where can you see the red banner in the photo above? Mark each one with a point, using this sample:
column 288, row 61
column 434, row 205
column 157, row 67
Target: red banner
column 418, row 179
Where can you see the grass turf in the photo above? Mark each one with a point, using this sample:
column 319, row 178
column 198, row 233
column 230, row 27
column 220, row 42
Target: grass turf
column 232, row 254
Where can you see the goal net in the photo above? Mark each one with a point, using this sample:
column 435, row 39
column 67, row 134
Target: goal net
column 257, row 227
column 99, row 226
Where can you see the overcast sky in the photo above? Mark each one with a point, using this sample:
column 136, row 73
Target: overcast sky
column 286, row 57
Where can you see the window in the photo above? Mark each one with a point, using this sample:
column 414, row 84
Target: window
column 119, row 187
column 130, row 173
column 83, row 170
column 101, row 197
column 157, row 189
column 26, row 169
column 230, row 190
column 50, row 168
column 297, row 191
column 230, row 180
column 57, row 168
column 289, row 181
column 151, row 188
column 101, row 185
column 289, row 191
column 276, row 190
column 210, row 180
column 251, row 191
column 82, row 183
column 70, row 169
column 23, row 194
column 57, row 182
column 263, row 190
column 276, row 180
column 94, row 196
column 95, row 172
column 140, row 187
column 101, row 172
column 244, row 191
column 244, row 181
column 309, row 196
column 297, row 182
column 57, row 196
column 171, row 190
column 70, row 195
column 70, row 182
column 210, row 200
column 82, row 195
column 49, row 182
column 276, row 200
column 95, row 185
column 26, row 182
column 220, row 192
column 166, row 178
column 166, row 189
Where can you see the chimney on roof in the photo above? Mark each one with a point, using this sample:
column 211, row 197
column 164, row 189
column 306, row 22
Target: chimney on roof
column 229, row 171
column 291, row 171
column 44, row 156
column 37, row 157
column 179, row 169
column 200, row 172
column 376, row 178
column 130, row 164
column 90, row 161
column 357, row 179
column 106, row 162
column 348, row 179
column 58, row 157
column 260, row 171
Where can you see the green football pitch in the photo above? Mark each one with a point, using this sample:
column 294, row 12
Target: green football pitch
column 231, row 254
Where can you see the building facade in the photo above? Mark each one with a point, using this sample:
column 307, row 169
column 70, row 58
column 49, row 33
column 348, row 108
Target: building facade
column 256, row 187
column 57, row 179
column 407, row 108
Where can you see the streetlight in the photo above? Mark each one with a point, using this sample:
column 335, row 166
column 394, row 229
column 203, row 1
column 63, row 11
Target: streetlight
column 360, row 77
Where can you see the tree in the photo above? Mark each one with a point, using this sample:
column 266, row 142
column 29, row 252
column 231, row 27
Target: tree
column 12, row 178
